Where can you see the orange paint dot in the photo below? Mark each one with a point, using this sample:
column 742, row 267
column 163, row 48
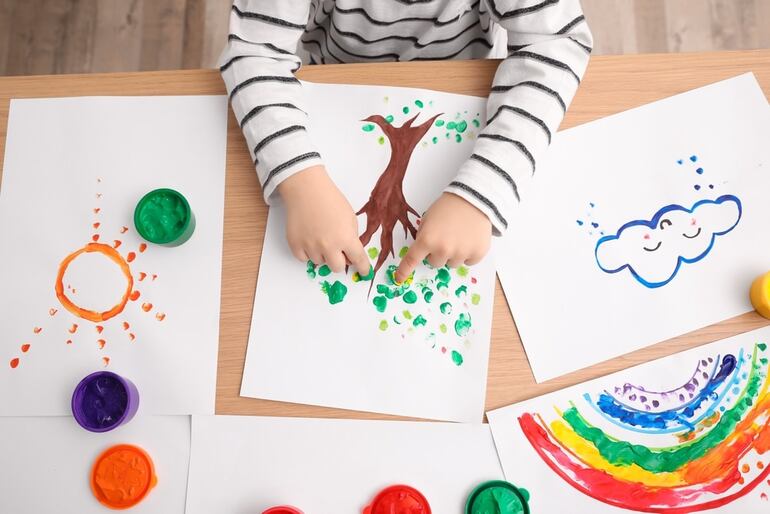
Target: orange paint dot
column 96, row 225
column 125, row 325
column 106, row 361
column 101, row 343
column 37, row 330
column 99, row 329
column 96, row 211
column 131, row 256
column 116, row 243
column 745, row 468
column 160, row 316
column 154, row 276
column 25, row 348
column 741, row 480
column 142, row 276
column 760, row 465
column 81, row 312
column 14, row 363
column 131, row 336
column 146, row 307
column 142, row 247
column 123, row 230
column 95, row 238
column 52, row 312
column 122, row 476
column 134, row 296
column 73, row 328
column 69, row 341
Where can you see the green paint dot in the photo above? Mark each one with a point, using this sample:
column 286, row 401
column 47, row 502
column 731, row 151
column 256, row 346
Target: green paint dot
column 311, row 270
column 435, row 140
column 386, row 291
column 451, row 125
column 442, row 327
column 458, row 138
column 395, row 320
column 448, row 135
column 381, row 140
column 407, row 314
column 460, row 127
column 439, row 123
column 324, row 270
column 446, row 308
column 460, row 291
column 405, row 110
column 427, row 296
column 380, row 302
column 462, row 271
column 762, row 346
column 389, row 118
column 476, row 123
column 457, row 358
column 336, row 292
column 443, row 276
column 410, row 297
column 419, row 103
column 419, row 321
column 763, row 360
column 368, row 127
column 463, row 324
column 383, row 325
column 475, row 298
column 373, row 252
column 403, row 251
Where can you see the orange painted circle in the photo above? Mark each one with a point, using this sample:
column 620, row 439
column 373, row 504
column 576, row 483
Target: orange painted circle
column 122, row 476
column 81, row 312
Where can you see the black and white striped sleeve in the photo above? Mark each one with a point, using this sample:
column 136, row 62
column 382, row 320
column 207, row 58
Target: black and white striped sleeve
column 258, row 68
column 549, row 44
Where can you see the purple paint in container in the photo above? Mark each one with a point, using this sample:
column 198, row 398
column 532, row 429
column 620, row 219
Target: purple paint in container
column 103, row 401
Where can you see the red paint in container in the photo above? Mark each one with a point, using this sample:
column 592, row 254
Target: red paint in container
column 283, row 509
column 399, row 499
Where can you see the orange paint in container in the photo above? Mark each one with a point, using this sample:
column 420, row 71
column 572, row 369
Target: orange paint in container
column 122, row 476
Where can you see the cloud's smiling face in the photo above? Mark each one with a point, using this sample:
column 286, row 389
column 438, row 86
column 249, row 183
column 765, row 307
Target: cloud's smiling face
column 654, row 250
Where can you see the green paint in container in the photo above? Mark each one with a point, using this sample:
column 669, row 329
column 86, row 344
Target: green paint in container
column 497, row 497
column 164, row 217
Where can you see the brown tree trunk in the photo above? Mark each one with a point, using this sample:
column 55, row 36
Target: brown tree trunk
column 386, row 205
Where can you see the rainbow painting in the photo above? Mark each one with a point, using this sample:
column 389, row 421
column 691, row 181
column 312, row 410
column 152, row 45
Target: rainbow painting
column 702, row 445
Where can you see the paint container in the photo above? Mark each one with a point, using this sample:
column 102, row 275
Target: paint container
column 103, row 401
column 122, row 476
column 760, row 295
column 164, row 217
column 497, row 496
column 283, row 509
column 399, row 498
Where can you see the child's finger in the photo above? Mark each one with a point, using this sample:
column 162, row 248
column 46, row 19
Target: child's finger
column 315, row 256
column 357, row 256
column 335, row 261
column 438, row 259
column 414, row 256
column 456, row 261
column 299, row 253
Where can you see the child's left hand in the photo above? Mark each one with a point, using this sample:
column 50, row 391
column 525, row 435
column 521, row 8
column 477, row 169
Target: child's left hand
column 452, row 232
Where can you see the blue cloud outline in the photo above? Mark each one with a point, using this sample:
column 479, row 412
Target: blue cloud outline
column 651, row 224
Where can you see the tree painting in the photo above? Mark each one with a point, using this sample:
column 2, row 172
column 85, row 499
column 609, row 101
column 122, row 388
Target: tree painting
column 434, row 304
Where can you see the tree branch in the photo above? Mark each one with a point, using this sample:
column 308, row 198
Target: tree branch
column 381, row 122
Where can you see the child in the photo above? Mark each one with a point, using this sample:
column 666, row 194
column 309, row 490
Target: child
column 546, row 54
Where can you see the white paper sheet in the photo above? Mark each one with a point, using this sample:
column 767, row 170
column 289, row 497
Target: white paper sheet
column 575, row 305
column 47, row 462
column 64, row 159
column 710, row 406
column 304, row 349
column 325, row 466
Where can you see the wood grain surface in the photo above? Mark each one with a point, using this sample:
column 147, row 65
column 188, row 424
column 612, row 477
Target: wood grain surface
column 612, row 84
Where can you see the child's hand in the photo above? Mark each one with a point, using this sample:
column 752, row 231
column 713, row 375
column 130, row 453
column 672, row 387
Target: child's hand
column 452, row 232
column 321, row 225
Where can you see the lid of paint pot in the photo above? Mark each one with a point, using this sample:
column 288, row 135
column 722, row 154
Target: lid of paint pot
column 283, row 509
column 103, row 401
column 497, row 496
column 122, row 476
column 163, row 216
column 397, row 499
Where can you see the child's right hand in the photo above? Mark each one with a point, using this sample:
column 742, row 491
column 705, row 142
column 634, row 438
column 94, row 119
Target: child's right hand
column 321, row 225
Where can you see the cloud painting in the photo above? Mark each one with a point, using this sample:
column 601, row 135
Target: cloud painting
column 654, row 250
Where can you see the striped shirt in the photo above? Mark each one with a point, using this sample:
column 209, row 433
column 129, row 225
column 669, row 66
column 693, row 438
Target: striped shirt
column 545, row 45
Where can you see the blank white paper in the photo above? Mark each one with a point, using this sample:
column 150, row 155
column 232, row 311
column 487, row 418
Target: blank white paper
column 244, row 465
column 640, row 227
column 47, row 462
column 419, row 359
column 74, row 171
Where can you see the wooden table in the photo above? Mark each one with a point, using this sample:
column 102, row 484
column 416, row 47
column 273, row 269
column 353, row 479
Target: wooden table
column 612, row 84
